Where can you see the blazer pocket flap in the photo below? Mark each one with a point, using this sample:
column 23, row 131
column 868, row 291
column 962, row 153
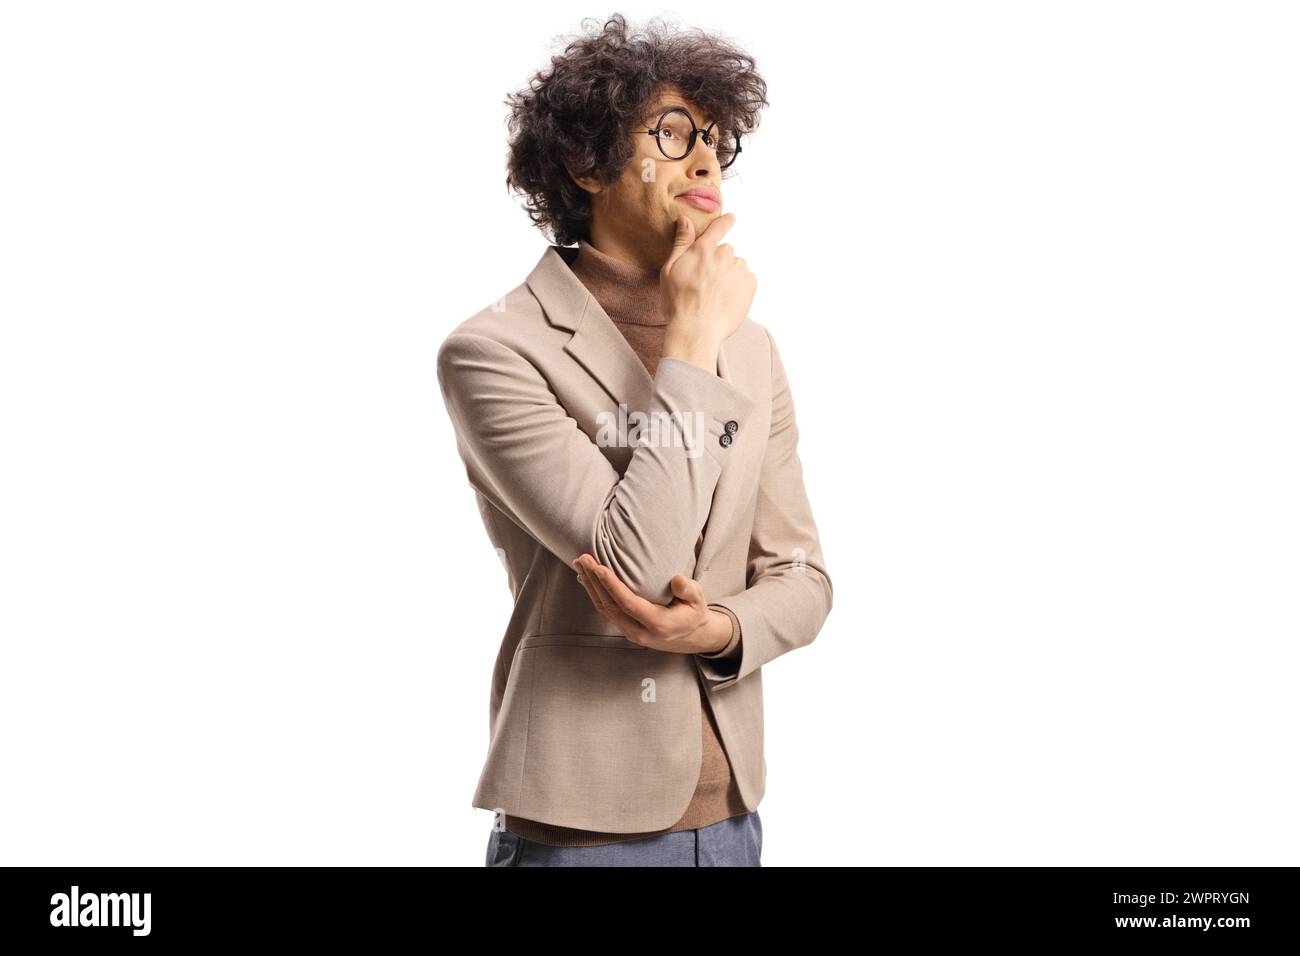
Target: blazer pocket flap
column 612, row 641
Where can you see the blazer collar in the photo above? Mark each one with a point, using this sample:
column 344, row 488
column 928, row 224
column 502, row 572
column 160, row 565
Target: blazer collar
column 596, row 341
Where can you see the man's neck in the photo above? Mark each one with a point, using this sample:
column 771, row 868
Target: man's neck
column 627, row 292
column 616, row 247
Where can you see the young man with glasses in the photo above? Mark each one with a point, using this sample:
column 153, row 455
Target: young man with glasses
column 653, row 572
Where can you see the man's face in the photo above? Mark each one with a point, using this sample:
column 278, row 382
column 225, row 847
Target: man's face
column 635, row 217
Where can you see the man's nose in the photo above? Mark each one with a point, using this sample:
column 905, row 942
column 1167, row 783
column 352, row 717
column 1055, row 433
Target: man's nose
column 704, row 163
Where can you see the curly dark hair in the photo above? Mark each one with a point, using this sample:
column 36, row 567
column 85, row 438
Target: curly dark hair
column 582, row 110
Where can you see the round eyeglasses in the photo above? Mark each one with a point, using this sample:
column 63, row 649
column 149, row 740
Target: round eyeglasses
column 676, row 133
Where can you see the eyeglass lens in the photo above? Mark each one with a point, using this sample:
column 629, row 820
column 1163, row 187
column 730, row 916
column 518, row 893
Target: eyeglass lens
column 675, row 138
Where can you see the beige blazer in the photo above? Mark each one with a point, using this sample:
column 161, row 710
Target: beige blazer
column 587, row 729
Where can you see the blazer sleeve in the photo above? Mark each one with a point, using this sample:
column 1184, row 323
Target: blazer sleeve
column 788, row 590
column 524, row 453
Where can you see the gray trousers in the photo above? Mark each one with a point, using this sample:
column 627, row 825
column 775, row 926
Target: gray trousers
column 736, row 841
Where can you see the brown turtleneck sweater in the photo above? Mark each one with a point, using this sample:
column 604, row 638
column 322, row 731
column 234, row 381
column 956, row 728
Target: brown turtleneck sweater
column 629, row 294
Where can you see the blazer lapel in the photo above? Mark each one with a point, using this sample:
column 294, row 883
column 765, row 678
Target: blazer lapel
column 596, row 341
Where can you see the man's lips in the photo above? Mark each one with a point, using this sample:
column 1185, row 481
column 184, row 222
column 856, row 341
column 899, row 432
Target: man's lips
column 706, row 199
column 701, row 202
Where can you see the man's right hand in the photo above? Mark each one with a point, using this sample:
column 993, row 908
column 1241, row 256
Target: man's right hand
column 706, row 291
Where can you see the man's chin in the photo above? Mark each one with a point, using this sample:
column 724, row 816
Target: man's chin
column 700, row 218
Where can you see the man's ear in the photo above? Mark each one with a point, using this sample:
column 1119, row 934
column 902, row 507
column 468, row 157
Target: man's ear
column 588, row 183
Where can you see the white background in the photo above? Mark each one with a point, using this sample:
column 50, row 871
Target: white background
column 1033, row 271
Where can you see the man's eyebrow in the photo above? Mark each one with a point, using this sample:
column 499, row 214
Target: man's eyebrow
column 659, row 111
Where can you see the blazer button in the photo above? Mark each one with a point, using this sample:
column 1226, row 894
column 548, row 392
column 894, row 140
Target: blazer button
column 731, row 427
column 724, row 439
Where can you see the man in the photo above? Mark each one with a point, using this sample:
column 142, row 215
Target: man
column 630, row 437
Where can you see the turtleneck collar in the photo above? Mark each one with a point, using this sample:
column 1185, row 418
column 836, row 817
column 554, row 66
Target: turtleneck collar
column 626, row 291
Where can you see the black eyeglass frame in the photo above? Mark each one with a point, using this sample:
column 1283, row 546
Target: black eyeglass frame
column 695, row 132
